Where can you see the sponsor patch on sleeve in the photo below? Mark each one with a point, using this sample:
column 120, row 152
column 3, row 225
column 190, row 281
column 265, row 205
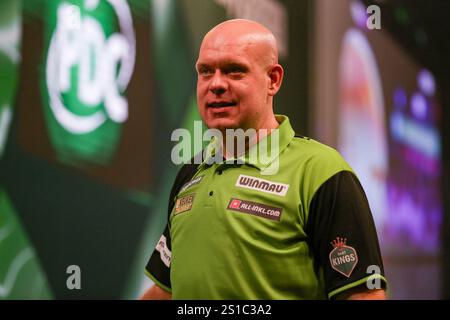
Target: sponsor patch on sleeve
column 254, row 208
column 191, row 183
column 343, row 258
column 164, row 251
column 184, row 204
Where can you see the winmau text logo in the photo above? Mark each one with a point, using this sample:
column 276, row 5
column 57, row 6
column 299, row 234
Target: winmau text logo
column 253, row 183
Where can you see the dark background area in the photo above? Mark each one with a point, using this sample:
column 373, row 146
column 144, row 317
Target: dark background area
column 422, row 28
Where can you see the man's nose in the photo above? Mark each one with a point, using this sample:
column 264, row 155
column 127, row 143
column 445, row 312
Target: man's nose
column 218, row 84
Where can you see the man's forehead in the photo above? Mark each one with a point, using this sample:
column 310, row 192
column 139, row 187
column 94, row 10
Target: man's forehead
column 223, row 54
column 241, row 39
column 222, row 62
column 237, row 29
column 234, row 50
column 234, row 41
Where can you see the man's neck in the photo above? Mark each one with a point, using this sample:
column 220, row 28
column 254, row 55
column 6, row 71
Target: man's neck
column 260, row 134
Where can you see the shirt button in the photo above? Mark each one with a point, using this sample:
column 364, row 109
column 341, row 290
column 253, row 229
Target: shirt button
column 211, row 193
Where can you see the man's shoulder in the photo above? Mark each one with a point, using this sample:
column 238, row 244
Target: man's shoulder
column 317, row 155
column 312, row 147
column 317, row 162
column 185, row 173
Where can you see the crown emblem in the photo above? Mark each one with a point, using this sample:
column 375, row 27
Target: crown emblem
column 338, row 242
column 343, row 258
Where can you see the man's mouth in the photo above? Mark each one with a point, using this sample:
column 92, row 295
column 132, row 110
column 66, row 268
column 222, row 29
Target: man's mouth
column 222, row 104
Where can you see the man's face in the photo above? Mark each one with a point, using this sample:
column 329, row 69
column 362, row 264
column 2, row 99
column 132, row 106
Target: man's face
column 232, row 85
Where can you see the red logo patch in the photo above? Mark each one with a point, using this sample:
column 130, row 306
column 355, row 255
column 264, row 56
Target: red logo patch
column 255, row 208
column 235, row 204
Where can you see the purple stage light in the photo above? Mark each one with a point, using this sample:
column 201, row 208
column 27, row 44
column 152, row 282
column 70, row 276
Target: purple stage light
column 426, row 83
column 419, row 106
column 359, row 14
column 400, row 99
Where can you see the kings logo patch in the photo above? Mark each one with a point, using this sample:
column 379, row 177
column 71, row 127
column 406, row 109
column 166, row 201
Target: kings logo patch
column 343, row 258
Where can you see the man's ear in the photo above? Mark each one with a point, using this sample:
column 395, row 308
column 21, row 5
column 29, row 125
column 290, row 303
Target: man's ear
column 275, row 74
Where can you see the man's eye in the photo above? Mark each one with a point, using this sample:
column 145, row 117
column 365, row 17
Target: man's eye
column 205, row 72
column 235, row 70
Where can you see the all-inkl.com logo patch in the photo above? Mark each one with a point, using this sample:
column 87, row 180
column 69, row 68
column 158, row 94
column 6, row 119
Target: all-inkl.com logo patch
column 343, row 258
column 255, row 208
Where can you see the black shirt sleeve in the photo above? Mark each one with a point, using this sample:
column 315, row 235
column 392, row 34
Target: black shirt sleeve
column 158, row 266
column 342, row 235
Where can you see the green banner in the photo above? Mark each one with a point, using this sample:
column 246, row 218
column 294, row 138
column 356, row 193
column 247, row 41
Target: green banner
column 21, row 276
column 10, row 26
column 88, row 63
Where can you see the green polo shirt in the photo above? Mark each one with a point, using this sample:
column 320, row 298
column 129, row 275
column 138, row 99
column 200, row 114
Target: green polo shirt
column 244, row 231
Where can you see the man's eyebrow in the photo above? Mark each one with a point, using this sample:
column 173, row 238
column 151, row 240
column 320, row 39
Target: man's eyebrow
column 235, row 65
column 224, row 66
column 199, row 66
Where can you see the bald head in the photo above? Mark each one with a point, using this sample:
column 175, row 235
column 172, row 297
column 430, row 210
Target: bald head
column 238, row 75
column 256, row 39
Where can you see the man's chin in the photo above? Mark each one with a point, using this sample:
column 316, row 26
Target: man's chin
column 222, row 124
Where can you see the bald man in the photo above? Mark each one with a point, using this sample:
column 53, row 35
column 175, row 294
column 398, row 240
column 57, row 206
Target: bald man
column 234, row 232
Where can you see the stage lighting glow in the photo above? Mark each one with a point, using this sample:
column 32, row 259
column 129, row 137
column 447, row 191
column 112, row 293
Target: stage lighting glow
column 399, row 166
column 400, row 99
column 419, row 106
column 361, row 119
column 401, row 15
column 426, row 82
column 422, row 138
column 359, row 14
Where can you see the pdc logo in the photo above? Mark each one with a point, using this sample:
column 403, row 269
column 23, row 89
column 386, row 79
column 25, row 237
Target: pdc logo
column 82, row 63
column 89, row 64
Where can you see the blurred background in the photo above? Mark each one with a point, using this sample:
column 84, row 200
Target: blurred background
column 91, row 90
